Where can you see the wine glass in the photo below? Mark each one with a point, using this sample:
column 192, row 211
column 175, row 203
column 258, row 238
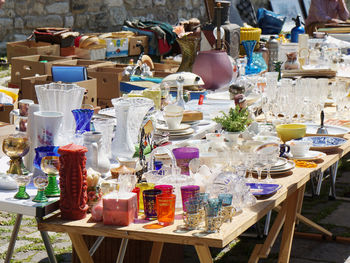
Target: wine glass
column 260, row 163
column 50, row 165
column 271, row 151
column 40, row 182
column 22, row 181
column 248, row 162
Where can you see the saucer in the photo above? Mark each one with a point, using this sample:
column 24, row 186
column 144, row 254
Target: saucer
column 311, row 155
column 182, row 127
column 280, row 161
column 184, row 133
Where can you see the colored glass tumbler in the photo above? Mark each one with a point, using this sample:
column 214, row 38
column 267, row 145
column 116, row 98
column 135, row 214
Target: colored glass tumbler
column 226, row 199
column 165, row 188
column 149, row 202
column 183, row 157
column 82, row 119
column 166, row 209
column 187, row 192
column 213, row 207
column 137, row 191
column 143, row 186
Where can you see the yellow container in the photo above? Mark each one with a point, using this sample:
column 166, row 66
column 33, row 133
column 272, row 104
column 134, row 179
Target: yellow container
column 290, row 131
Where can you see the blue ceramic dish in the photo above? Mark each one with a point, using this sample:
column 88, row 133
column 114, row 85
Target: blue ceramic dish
column 259, row 189
column 325, row 142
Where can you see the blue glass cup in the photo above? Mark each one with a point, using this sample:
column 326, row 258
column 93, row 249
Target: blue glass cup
column 226, row 199
column 213, row 206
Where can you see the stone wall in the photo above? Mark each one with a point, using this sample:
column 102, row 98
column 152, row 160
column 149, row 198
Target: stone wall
column 18, row 18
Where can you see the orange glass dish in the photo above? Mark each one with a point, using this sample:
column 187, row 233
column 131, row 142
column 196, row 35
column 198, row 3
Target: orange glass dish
column 166, row 209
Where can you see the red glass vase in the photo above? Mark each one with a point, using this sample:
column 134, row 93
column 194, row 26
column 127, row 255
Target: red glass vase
column 214, row 67
column 73, row 182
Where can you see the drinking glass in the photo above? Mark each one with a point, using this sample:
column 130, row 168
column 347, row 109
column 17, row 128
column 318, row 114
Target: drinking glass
column 149, row 202
column 165, row 188
column 166, row 209
column 187, row 192
column 40, row 182
column 271, row 151
column 51, row 165
column 143, row 186
column 22, row 181
column 259, row 163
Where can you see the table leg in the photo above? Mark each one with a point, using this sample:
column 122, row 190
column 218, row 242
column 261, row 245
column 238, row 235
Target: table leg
column 288, row 229
column 156, row 252
column 13, row 238
column 81, row 248
column 301, row 200
column 263, row 250
column 48, row 246
column 47, row 243
column 95, row 246
column 204, row 254
column 122, row 250
column 333, row 172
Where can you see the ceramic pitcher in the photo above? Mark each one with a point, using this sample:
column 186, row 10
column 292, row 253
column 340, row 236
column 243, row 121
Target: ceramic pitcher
column 96, row 157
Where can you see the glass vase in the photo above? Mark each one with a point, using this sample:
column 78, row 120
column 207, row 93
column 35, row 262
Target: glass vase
column 249, row 46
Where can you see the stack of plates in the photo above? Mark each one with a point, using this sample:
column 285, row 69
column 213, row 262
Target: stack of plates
column 184, row 130
column 310, row 156
column 280, row 167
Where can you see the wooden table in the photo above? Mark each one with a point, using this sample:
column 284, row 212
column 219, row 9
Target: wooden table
column 287, row 200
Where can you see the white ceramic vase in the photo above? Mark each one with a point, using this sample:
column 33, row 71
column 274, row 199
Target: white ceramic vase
column 47, row 124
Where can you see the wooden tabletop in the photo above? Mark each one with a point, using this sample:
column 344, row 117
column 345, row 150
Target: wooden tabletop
column 228, row 232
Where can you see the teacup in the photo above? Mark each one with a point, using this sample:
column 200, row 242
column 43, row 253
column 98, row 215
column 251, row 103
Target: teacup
column 173, row 116
column 299, row 148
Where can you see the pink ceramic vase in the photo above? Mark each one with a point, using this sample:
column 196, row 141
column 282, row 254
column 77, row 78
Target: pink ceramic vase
column 215, row 68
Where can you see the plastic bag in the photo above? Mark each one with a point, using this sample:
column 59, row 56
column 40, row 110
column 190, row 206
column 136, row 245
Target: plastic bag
column 270, row 22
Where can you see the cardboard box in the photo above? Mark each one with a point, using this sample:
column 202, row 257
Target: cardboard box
column 28, row 88
column 104, row 103
column 5, row 110
column 91, row 53
column 26, row 48
column 28, row 66
column 67, row 51
column 117, row 47
column 133, row 49
column 108, row 81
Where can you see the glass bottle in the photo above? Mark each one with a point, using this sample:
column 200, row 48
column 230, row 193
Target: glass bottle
column 180, row 92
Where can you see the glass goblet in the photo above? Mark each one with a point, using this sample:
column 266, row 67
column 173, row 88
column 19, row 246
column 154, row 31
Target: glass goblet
column 51, row 165
column 40, row 182
column 259, row 163
column 22, row 181
column 271, row 152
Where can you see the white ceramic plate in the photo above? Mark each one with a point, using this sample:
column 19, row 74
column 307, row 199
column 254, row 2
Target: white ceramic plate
column 182, row 127
column 182, row 134
column 281, row 161
column 284, row 168
column 311, row 155
column 311, row 129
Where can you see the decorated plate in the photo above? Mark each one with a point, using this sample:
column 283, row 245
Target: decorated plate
column 311, row 129
column 320, row 143
column 311, row 155
column 260, row 189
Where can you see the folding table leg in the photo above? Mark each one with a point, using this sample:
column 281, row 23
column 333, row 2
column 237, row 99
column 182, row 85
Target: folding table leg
column 13, row 238
column 95, row 246
column 333, row 171
column 319, row 183
column 267, row 223
column 122, row 250
column 47, row 243
column 156, row 252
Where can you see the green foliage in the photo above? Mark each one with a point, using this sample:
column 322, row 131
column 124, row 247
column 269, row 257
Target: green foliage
column 236, row 120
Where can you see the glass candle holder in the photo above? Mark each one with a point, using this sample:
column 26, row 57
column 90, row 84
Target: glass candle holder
column 165, row 188
column 143, row 186
column 149, row 202
column 188, row 191
column 166, row 209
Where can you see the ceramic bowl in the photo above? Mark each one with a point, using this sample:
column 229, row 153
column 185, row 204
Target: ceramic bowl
column 290, row 131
